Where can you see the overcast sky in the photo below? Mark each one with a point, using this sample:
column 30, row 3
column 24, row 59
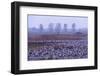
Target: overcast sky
column 36, row 20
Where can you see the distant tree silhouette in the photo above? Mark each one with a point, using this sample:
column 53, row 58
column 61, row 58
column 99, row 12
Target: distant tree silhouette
column 50, row 27
column 65, row 28
column 73, row 27
column 41, row 27
column 58, row 28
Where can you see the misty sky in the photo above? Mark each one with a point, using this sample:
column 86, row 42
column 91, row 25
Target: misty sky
column 36, row 20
